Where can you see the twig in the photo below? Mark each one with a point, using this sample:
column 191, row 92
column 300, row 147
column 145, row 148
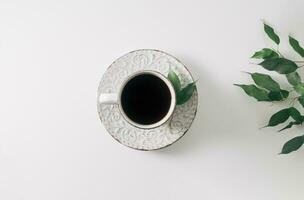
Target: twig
column 293, row 100
column 246, row 72
column 278, row 51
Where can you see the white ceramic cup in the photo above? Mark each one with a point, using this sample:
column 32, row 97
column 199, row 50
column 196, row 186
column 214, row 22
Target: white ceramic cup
column 115, row 98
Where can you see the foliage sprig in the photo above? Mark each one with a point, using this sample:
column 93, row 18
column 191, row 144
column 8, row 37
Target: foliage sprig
column 182, row 94
column 268, row 90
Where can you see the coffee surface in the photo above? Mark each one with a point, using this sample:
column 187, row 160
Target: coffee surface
column 146, row 99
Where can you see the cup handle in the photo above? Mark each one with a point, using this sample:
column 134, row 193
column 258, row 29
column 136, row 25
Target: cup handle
column 108, row 98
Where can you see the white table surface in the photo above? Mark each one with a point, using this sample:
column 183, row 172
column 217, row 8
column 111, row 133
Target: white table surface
column 52, row 144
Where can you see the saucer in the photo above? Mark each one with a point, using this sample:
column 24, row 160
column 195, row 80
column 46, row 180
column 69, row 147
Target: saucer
column 114, row 122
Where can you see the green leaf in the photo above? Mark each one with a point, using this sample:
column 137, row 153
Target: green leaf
column 273, row 55
column 271, row 34
column 185, row 94
column 280, row 65
column 299, row 88
column 265, row 81
column 301, row 100
column 293, row 78
column 289, row 126
column 172, row 76
column 296, row 46
column 284, row 93
column 279, row 117
column 293, row 145
column 254, row 91
column 265, row 53
column 295, row 114
column 278, row 96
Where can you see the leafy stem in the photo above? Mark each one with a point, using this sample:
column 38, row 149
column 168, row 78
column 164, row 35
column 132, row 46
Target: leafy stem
column 293, row 100
column 278, row 51
column 266, row 89
column 182, row 94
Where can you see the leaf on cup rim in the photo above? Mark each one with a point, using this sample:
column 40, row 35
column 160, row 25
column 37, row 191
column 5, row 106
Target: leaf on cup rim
column 185, row 94
column 172, row 76
column 182, row 94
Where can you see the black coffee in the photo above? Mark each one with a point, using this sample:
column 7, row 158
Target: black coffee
column 146, row 99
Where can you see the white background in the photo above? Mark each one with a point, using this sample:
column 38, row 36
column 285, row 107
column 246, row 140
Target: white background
column 52, row 144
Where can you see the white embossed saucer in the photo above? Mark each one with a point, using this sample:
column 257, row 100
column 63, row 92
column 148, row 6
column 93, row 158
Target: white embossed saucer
column 114, row 122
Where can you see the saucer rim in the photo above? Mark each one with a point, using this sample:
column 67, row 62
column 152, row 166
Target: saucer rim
column 194, row 115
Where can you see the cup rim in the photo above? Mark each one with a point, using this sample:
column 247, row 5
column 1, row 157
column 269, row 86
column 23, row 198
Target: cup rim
column 172, row 105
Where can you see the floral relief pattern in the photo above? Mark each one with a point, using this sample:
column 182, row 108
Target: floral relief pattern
column 114, row 122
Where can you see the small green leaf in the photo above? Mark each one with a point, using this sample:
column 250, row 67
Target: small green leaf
column 284, row 93
column 279, row 117
column 301, row 100
column 278, row 96
column 265, row 53
column 280, row 65
column 254, row 91
column 293, row 78
column 172, row 76
column 296, row 46
column 185, row 94
column 273, row 55
column 271, row 34
column 293, row 145
column 295, row 114
column 299, row 88
column 289, row 126
column 265, row 81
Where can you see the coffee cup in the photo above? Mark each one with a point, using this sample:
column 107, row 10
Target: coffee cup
column 146, row 99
